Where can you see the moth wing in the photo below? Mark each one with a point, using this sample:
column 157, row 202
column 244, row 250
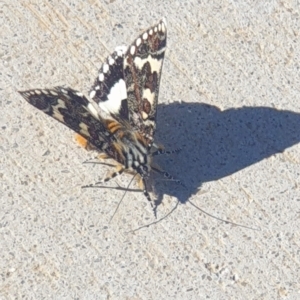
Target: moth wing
column 72, row 109
column 109, row 91
column 127, row 85
column 142, row 72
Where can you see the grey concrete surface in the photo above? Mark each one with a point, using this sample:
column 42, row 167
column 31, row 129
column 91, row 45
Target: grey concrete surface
column 229, row 97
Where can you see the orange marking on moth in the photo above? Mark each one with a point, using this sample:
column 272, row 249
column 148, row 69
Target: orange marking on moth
column 81, row 141
column 140, row 138
column 113, row 126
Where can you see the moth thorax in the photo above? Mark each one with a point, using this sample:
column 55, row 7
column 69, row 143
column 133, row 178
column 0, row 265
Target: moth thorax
column 136, row 153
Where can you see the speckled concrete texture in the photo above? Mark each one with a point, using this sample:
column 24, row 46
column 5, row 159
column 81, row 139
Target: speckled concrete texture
column 229, row 98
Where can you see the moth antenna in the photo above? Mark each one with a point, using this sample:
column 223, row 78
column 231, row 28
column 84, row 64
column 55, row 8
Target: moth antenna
column 155, row 222
column 122, row 199
column 98, row 163
column 203, row 211
column 219, row 219
column 111, row 187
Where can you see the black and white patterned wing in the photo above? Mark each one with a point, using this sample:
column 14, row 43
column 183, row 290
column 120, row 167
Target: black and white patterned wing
column 109, row 90
column 127, row 85
column 142, row 69
column 74, row 110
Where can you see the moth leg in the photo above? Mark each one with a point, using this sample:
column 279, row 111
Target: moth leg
column 161, row 151
column 119, row 171
column 166, row 175
column 158, row 146
column 103, row 156
column 143, row 187
column 101, row 162
column 130, row 172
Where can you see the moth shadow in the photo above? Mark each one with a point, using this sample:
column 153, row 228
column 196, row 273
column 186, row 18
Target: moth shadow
column 218, row 143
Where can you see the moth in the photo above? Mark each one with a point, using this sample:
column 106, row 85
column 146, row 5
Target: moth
column 118, row 119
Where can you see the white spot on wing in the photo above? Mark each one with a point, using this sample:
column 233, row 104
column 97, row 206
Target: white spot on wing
column 116, row 94
column 145, row 35
column 105, row 68
column 101, row 77
column 163, row 25
column 111, row 61
column 56, row 114
column 93, row 110
column 121, row 50
column 149, row 96
column 150, row 31
column 138, row 42
column 132, row 50
column 155, row 64
column 84, row 129
column 92, row 94
column 144, row 115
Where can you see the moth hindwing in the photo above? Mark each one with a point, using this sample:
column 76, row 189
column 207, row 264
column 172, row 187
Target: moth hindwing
column 119, row 116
